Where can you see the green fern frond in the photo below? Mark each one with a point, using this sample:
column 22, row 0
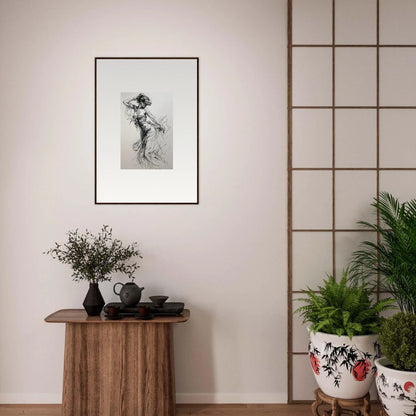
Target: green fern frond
column 343, row 308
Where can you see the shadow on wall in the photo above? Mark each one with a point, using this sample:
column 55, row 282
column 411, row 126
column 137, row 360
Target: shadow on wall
column 194, row 356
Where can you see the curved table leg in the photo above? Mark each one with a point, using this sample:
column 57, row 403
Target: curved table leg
column 366, row 406
column 318, row 401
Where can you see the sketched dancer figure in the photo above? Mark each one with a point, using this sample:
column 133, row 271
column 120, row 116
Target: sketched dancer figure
column 150, row 147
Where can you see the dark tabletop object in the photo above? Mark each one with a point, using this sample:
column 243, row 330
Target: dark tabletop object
column 158, row 301
column 168, row 309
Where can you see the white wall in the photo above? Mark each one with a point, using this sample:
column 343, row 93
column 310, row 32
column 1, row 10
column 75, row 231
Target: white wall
column 226, row 257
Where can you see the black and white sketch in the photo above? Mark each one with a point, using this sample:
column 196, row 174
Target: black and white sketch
column 146, row 130
column 146, row 137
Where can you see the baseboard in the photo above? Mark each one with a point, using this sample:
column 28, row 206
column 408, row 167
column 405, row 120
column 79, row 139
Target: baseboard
column 191, row 398
column 33, row 398
column 242, row 398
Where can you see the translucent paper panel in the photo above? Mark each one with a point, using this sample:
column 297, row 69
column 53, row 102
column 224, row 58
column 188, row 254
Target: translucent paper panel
column 312, row 138
column 355, row 77
column 402, row 184
column 355, row 22
column 354, row 191
column 397, row 76
column 304, row 382
column 346, row 243
column 312, row 76
column 397, row 138
column 355, row 138
column 312, row 21
column 397, row 22
column 312, row 199
column 312, row 259
column 300, row 333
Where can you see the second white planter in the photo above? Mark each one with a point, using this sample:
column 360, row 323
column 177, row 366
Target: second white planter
column 396, row 389
column 344, row 368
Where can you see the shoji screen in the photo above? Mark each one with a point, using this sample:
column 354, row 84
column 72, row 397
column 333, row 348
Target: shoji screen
column 352, row 134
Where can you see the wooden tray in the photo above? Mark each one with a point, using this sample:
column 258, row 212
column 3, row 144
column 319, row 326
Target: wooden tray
column 168, row 308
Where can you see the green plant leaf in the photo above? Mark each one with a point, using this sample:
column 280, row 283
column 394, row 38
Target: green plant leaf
column 393, row 257
column 398, row 340
column 343, row 308
column 96, row 257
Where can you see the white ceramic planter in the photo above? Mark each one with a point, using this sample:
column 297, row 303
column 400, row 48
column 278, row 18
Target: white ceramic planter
column 396, row 389
column 343, row 367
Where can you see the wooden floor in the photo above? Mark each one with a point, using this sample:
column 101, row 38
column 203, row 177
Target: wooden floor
column 184, row 410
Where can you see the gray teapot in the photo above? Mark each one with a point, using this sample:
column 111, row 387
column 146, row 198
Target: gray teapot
column 130, row 293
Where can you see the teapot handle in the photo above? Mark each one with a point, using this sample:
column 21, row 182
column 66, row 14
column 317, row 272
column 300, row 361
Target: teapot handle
column 114, row 288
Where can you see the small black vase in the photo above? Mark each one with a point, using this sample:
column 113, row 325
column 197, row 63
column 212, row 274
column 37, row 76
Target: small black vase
column 93, row 302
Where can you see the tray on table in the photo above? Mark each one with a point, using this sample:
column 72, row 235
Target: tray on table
column 168, row 308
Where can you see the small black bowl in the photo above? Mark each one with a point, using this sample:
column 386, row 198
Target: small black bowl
column 158, row 301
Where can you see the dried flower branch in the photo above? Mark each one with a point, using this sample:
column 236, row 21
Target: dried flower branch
column 96, row 257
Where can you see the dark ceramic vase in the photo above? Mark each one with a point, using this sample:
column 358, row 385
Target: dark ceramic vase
column 93, row 302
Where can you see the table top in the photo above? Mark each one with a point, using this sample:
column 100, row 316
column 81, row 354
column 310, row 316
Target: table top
column 79, row 316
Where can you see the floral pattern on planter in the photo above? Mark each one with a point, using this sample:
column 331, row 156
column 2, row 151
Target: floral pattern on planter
column 361, row 369
column 333, row 359
column 315, row 363
column 396, row 391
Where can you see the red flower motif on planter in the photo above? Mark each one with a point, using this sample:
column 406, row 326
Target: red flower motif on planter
column 361, row 369
column 408, row 386
column 315, row 363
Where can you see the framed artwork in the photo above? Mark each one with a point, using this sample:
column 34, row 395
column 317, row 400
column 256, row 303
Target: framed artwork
column 146, row 130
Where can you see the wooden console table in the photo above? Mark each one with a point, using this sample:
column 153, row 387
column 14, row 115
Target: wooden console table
column 117, row 368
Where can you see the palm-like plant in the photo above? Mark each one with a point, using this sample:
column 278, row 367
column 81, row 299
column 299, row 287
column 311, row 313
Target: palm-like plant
column 343, row 308
column 394, row 256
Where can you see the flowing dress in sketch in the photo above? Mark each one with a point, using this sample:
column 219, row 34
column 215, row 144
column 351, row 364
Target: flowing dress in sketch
column 151, row 147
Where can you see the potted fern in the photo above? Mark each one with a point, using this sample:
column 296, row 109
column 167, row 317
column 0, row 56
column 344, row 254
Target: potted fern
column 393, row 259
column 344, row 326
